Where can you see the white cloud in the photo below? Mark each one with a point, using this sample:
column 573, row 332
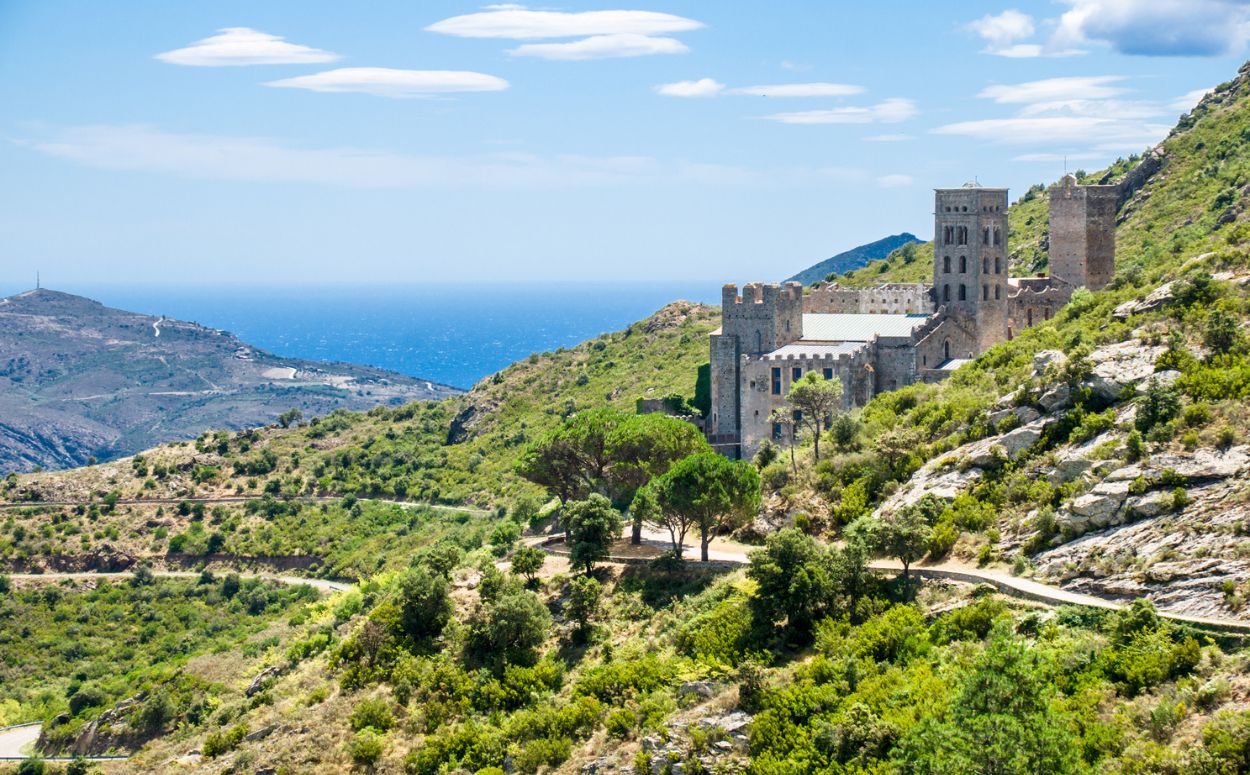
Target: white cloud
column 519, row 23
column 894, row 181
column 1055, row 89
column 889, row 111
column 386, row 82
column 1051, row 158
column 1002, row 32
column 1189, row 100
column 257, row 159
column 244, row 46
column 704, row 87
column 1157, row 27
column 800, row 90
column 1078, row 131
column 626, row 44
column 889, row 138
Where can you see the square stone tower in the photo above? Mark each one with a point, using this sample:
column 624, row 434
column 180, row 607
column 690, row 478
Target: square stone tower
column 970, row 262
column 764, row 318
column 1082, row 233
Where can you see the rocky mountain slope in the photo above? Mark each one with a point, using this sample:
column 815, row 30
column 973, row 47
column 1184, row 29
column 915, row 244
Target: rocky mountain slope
column 79, row 380
column 850, row 260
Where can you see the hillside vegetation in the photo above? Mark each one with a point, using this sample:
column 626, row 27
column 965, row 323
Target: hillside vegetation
column 1103, row 449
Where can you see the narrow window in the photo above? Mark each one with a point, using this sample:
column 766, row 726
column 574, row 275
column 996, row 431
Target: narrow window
column 776, row 381
column 985, row 293
column 946, row 264
column 963, row 292
column 776, row 431
column 796, row 373
column 998, row 269
column 963, row 264
column 997, row 291
column 985, row 265
column 946, row 350
column 759, row 342
column 829, row 374
column 946, row 293
column 1028, row 315
column 998, row 236
column 985, row 236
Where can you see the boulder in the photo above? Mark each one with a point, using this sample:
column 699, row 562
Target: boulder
column 262, row 679
column 1152, row 504
column 1203, row 464
column 1047, row 358
column 1057, row 397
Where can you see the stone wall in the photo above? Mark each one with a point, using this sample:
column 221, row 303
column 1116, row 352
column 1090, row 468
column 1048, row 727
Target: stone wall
column 759, row 398
column 1035, row 300
column 887, row 298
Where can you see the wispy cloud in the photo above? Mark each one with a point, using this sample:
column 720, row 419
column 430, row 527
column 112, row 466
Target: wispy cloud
column 625, row 44
column 145, row 149
column 1091, row 87
column 891, row 111
column 397, row 84
column 601, row 34
column 704, row 87
column 236, row 46
column 894, row 181
column 819, row 89
column 1076, row 115
column 519, row 23
column 889, row 138
column 708, row 87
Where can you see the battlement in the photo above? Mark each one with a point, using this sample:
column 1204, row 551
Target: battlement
column 761, row 293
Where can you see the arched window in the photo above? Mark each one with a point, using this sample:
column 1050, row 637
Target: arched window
column 1028, row 316
column 963, row 292
column 985, row 264
column 998, row 236
column 759, row 342
column 946, row 293
column 961, row 234
column 997, row 289
column 946, row 350
column 963, row 264
column 985, row 236
column 998, row 269
column 946, row 264
column 985, row 293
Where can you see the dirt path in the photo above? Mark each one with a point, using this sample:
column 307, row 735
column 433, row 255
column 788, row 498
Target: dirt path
column 320, row 584
column 232, row 499
column 729, row 551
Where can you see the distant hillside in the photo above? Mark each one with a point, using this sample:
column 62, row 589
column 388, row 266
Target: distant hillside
column 854, row 258
column 79, row 380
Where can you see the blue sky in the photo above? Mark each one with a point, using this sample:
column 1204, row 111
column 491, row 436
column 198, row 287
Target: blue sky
column 323, row 142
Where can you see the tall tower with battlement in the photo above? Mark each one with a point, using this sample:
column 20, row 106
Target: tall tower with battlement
column 764, row 318
column 1082, row 234
column 970, row 263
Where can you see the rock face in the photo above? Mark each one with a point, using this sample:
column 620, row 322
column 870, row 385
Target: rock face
column 80, row 380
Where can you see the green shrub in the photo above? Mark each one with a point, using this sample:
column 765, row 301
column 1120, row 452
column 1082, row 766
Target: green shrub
column 621, row 723
column 224, row 741
column 365, row 748
column 373, row 712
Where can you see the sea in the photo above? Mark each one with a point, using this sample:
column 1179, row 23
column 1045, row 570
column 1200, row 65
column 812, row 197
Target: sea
column 454, row 334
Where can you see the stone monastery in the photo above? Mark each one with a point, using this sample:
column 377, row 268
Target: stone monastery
column 883, row 338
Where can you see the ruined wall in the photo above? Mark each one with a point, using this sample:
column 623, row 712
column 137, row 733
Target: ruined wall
column 1035, row 300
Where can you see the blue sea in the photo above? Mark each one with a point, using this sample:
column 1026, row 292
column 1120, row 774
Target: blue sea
column 453, row 334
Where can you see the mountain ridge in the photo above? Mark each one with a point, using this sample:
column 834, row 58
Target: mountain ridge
column 80, row 380
column 855, row 258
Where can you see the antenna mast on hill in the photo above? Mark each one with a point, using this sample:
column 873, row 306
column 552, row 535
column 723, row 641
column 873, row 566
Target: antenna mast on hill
column 37, row 282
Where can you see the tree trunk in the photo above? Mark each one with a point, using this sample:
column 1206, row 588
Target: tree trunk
column 636, row 537
column 816, row 442
column 705, row 538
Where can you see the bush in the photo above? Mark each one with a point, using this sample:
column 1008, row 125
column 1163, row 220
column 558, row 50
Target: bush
column 509, row 630
column 621, row 723
column 86, row 697
column 224, row 741
column 792, row 579
column 1160, row 405
column 425, row 604
column 365, row 748
column 373, row 712
column 583, row 601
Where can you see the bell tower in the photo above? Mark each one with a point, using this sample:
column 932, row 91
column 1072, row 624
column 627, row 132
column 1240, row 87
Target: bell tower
column 970, row 261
